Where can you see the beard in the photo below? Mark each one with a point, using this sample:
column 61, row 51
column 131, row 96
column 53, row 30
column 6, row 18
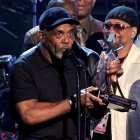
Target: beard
column 56, row 53
column 53, row 49
column 56, row 49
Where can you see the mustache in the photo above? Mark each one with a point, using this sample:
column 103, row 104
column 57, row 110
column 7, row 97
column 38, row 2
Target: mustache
column 55, row 46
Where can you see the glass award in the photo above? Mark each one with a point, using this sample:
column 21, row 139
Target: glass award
column 107, row 88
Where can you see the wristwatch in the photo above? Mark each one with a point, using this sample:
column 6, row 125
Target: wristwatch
column 72, row 102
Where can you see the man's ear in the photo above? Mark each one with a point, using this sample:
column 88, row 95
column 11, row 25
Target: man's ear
column 134, row 32
column 41, row 36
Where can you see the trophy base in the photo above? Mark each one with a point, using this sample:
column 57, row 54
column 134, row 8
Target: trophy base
column 118, row 103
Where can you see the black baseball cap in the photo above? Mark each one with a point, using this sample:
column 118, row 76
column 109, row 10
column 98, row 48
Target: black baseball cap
column 54, row 17
column 125, row 14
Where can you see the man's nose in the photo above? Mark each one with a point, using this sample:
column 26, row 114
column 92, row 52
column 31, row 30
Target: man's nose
column 65, row 39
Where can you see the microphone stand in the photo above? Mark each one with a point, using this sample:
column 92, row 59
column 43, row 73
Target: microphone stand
column 78, row 103
column 80, row 42
column 79, row 67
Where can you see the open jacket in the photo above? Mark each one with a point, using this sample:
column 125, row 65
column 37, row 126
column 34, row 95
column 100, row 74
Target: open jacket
column 126, row 125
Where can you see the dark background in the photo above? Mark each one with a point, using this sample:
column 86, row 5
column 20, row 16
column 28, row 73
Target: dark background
column 18, row 17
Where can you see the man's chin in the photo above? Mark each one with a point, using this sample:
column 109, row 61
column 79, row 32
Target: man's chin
column 59, row 56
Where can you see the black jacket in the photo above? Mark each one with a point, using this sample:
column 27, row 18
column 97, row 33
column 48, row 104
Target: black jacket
column 89, row 57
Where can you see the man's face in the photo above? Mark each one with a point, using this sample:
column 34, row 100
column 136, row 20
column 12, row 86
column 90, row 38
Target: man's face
column 124, row 33
column 60, row 39
column 85, row 7
column 71, row 5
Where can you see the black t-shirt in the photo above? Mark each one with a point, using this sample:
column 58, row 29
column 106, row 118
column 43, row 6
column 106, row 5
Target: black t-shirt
column 33, row 77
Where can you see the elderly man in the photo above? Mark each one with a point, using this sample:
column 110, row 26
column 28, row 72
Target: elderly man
column 31, row 37
column 88, row 56
column 124, row 23
column 43, row 82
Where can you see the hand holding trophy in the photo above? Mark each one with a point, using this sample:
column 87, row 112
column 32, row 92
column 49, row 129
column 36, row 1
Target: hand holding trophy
column 107, row 87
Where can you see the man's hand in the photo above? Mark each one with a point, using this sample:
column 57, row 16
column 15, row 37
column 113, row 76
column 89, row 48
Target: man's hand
column 88, row 99
column 114, row 70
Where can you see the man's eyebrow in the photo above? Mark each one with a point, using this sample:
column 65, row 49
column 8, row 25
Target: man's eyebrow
column 61, row 31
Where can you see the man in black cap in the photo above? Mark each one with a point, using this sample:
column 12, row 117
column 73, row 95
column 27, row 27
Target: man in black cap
column 31, row 37
column 88, row 56
column 43, row 82
column 123, row 23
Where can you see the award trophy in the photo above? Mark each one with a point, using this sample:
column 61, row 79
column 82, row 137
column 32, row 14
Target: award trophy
column 107, row 88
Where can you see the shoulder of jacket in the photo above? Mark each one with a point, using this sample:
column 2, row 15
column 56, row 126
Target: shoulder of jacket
column 90, row 52
column 32, row 31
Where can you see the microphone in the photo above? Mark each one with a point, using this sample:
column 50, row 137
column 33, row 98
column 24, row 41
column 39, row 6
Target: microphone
column 77, row 62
